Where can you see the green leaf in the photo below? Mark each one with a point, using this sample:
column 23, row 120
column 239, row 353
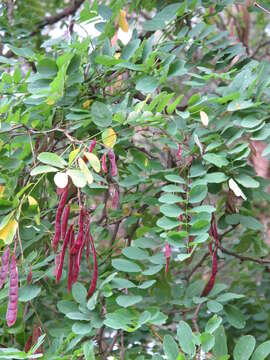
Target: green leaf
column 175, row 178
column 78, row 178
column 170, row 347
column 208, row 341
column 81, row 328
column 79, row 293
column 101, row 114
column 170, row 199
column 125, row 265
column 88, row 350
column 29, row 292
column 42, row 169
column 213, row 324
column 135, row 253
column 216, row 159
column 229, row 296
column 220, row 348
column 262, row 351
column 244, row 347
column 128, row 300
column 52, row 159
column 197, row 193
column 167, row 224
column 160, row 20
column 216, row 177
column 171, row 210
column 66, row 306
column 147, row 284
column 147, row 84
column 234, row 317
column 185, row 338
column 214, row 306
column 247, row 181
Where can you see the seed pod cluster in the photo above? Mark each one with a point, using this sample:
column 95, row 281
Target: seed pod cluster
column 76, row 248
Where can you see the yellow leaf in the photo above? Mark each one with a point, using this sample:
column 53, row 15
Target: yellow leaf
column 73, row 155
column 87, row 104
column 93, row 160
column 117, row 55
column 123, row 20
column 50, row 101
column 204, row 118
column 109, row 137
column 8, row 232
column 2, row 189
column 33, row 202
column 86, row 171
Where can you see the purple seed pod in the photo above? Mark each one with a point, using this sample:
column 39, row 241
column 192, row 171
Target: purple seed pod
column 114, row 170
column 4, row 267
column 92, row 145
column 62, row 254
column 179, row 151
column 93, row 284
column 65, row 221
column 78, row 243
column 59, row 212
column 104, row 163
column 12, row 309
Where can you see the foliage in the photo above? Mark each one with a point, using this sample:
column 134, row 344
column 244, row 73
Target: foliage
column 180, row 108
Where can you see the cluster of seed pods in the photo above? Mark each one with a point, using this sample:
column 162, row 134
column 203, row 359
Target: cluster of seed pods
column 12, row 270
column 83, row 240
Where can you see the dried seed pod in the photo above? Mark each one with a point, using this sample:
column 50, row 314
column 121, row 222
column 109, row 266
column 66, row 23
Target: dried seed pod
column 104, row 163
column 58, row 219
column 65, row 221
column 168, row 254
column 62, row 254
column 4, row 267
column 28, row 344
column 93, row 284
column 114, row 170
column 12, row 308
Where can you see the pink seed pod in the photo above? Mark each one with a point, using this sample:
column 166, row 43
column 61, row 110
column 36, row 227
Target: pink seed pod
column 93, row 284
column 70, row 260
column 12, row 308
column 30, row 275
column 213, row 228
column 209, row 286
column 56, row 263
column 59, row 191
column 114, row 194
column 92, row 145
column 4, row 267
column 62, row 254
column 114, row 170
column 179, row 152
column 79, row 240
column 65, row 221
column 36, row 335
column 168, row 254
column 59, row 212
column 104, row 163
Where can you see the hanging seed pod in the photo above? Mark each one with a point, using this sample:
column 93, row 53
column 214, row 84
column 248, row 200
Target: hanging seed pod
column 168, row 254
column 65, row 221
column 209, row 286
column 91, row 148
column 104, row 163
column 62, row 254
column 93, row 284
column 78, row 243
column 114, row 170
column 70, row 260
column 4, row 267
column 36, row 335
column 179, row 152
column 58, row 219
column 28, row 344
column 12, row 308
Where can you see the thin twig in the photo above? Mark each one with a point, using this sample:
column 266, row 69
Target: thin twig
column 243, row 257
column 114, row 340
column 261, row 8
column 122, row 352
column 195, row 316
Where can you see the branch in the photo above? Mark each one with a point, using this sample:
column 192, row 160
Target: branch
column 261, row 8
column 54, row 19
column 243, row 257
